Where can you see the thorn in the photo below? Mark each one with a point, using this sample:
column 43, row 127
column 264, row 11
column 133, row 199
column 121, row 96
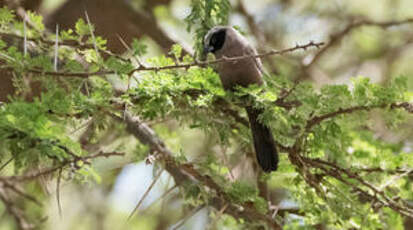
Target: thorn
column 145, row 194
column 25, row 36
column 91, row 32
column 59, row 204
column 56, row 51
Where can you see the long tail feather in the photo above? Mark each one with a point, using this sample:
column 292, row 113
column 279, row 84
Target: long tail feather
column 264, row 143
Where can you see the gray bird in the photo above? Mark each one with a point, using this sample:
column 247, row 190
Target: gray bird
column 224, row 41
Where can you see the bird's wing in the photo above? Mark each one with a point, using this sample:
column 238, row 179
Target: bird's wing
column 257, row 61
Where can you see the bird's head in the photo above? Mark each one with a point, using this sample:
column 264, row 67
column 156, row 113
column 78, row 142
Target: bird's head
column 214, row 40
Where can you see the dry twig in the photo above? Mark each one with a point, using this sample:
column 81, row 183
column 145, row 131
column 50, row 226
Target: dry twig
column 337, row 37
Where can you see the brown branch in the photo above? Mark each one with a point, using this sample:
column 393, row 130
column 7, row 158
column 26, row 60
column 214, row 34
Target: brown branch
column 32, row 176
column 318, row 119
column 59, row 205
column 303, row 164
column 338, row 172
column 6, row 163
column 70, row 43
column 18, row 191
column 337, row 37
column 381, row 170
column 15, row 212
column 186, row 173
column 311, row 44
column 243, row 9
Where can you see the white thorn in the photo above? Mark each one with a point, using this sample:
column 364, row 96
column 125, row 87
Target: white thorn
column 56, row 48
column 91, row 32
column 25, row 37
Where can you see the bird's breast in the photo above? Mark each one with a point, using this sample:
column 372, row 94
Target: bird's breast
column 242, row 72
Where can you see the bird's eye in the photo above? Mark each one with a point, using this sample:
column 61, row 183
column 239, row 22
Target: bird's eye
column 213, row 40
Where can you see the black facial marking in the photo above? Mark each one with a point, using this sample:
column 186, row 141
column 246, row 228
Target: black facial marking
column 217, row 40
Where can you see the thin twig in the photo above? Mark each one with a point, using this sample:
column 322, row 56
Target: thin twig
column 318, row 119
column 18, row 191
column 59, row 205
column 6, row 163
column 179, row 66
column 70, row 43
column 159, row 199
column 31, row 176
column 91, row 32
column 394, row 179
column 218, row 216
column 56, row 49
column 145, row 194
column 256, row 31
column 338, row 172
column 189, row 215
column 337, row 37
column 14, row 211
column 25, row 37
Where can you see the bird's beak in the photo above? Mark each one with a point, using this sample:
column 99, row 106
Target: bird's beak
column 207, row 49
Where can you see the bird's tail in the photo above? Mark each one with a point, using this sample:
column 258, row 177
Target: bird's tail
column 264, row 143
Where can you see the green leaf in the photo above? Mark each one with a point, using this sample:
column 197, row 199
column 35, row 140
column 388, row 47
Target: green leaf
column 176, row 51
column 67, row 35
column 119, row 66
column 90, row 55
column 139, row 48
column 82, row 28
column 6, row 16
column 36, row 21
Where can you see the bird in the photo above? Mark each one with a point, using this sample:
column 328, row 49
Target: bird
column 226, row 42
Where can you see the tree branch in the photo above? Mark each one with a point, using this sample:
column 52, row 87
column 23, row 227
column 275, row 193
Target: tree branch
column 379, row 195
column 311, row 44
column 32, row 176
column 318, row 119
column 184, row 173
column 337, row 37
column 15, row 212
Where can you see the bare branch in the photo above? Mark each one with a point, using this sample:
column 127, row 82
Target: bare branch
column 91, row 32
column 18, row 191
column 318, row 119
column 337, row 37
column 251, row 22
column 381, row 170
column 59, row 205
column 32, row 176
column 56, row 48
column 15, row 212
column 6, row 163
column 311, row 44
column 70, row 43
